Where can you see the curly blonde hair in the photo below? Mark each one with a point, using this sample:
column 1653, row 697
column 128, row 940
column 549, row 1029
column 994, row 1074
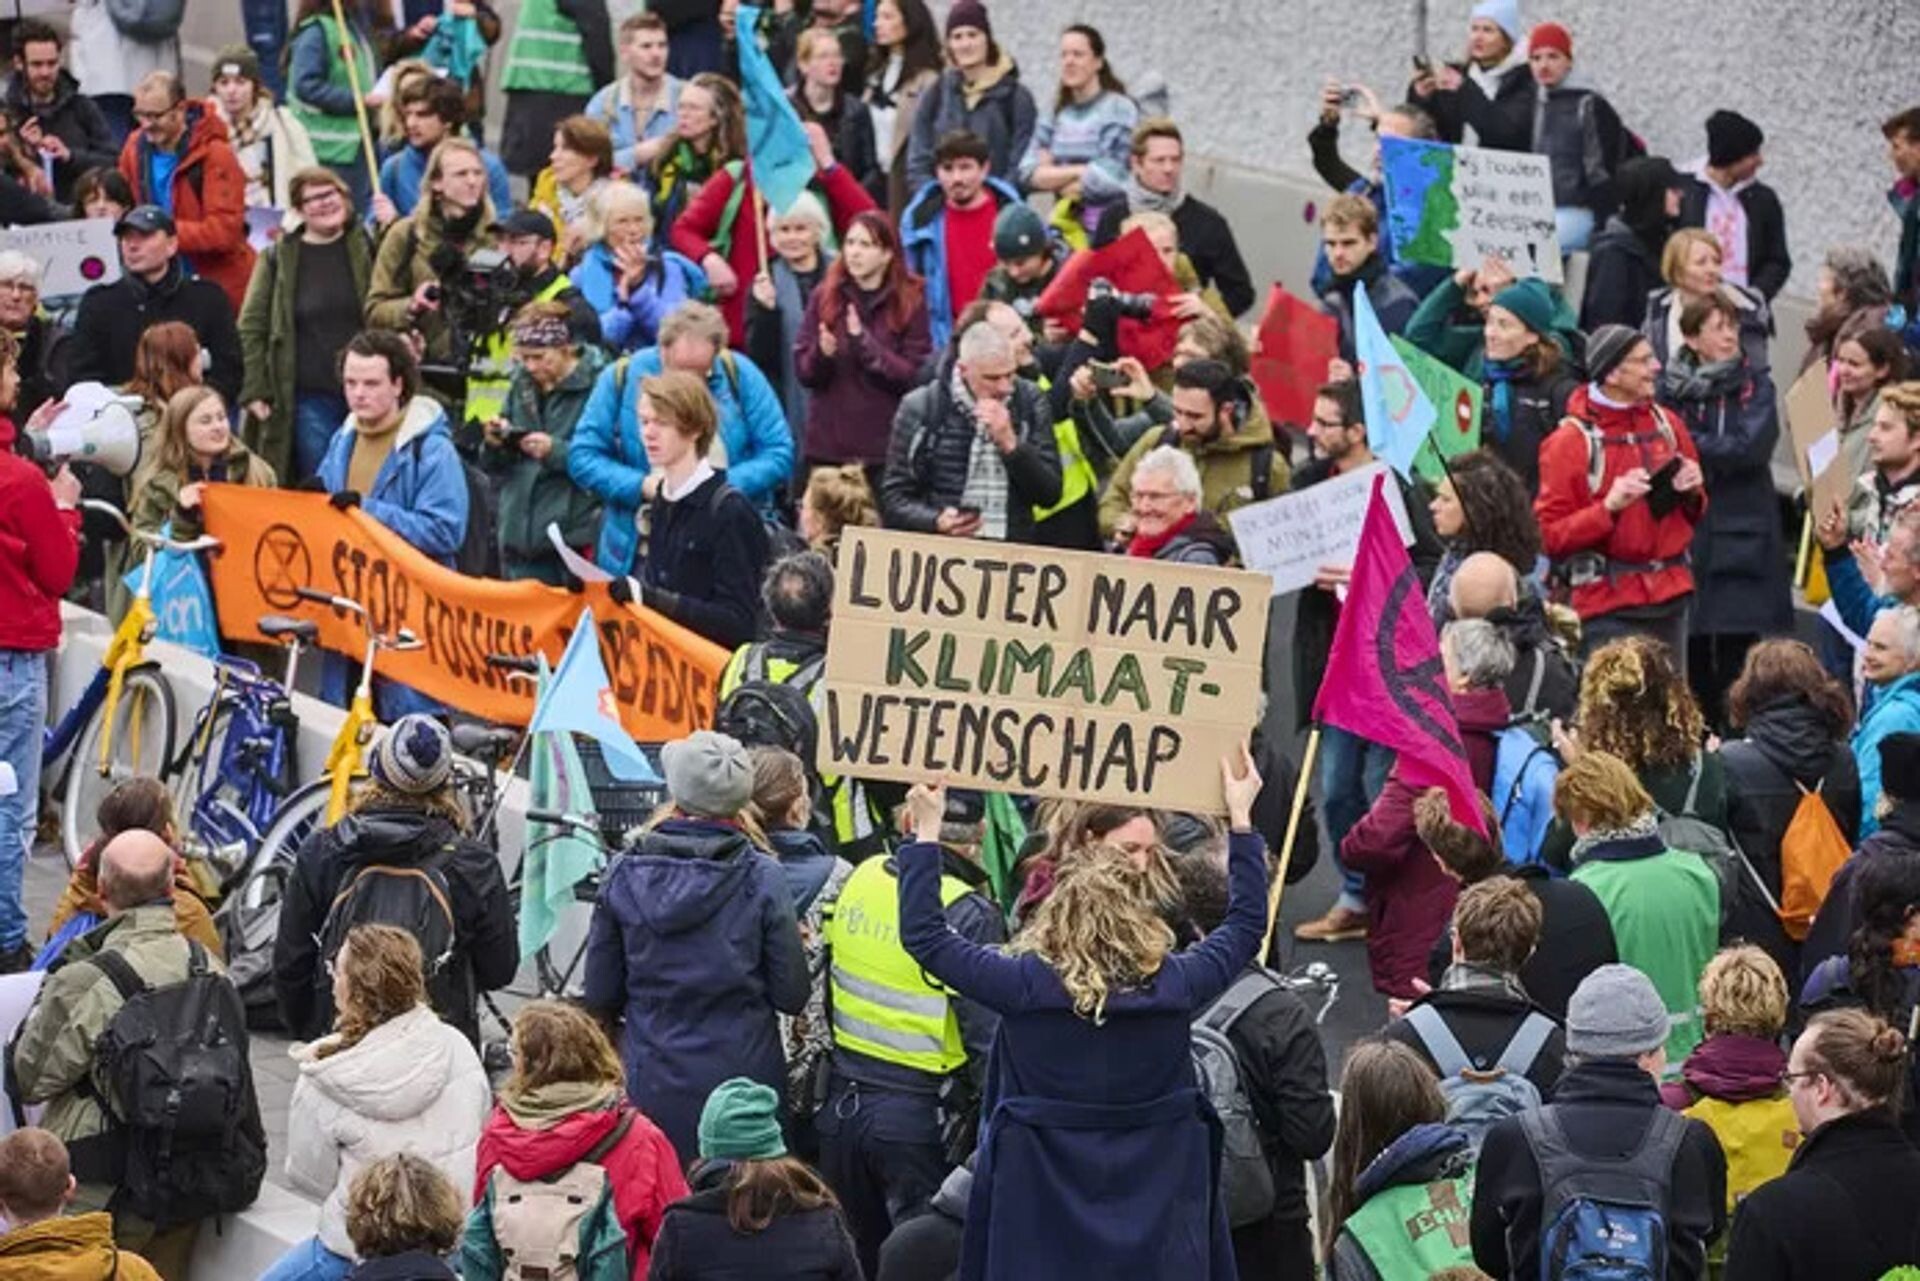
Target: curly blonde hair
column 1635, row 705
column 840, row 496
column 401, row 1203
column 1742, row 992
column 1100, row 930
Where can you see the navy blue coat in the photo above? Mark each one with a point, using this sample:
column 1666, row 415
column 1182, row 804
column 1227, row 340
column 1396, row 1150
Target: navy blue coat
column 694, row 943
column 1097, row 1151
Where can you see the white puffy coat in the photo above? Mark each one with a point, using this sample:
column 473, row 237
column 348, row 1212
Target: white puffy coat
column 413, row 1084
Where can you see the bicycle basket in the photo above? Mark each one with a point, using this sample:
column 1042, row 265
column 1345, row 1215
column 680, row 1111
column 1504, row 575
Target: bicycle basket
column 620, row 806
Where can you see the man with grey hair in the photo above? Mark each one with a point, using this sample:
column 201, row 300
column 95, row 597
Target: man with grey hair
column 973, row 452
column 1168, row 523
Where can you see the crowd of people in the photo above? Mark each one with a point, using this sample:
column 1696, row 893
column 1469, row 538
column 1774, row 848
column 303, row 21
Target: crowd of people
column 1650, row 1016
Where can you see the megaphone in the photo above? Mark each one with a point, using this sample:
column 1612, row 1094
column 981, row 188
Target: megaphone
column 97, row 426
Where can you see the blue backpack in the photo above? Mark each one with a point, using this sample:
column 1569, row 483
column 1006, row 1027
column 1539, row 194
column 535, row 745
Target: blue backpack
column 1524, row 772
column 1603, row 1219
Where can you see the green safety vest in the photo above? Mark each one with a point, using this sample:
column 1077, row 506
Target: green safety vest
column 489, row 375
column 336, row 139
column 884, row 1005
column 855, row 830
column 546, row 53
column 1417, row 1229
column 1077, row 477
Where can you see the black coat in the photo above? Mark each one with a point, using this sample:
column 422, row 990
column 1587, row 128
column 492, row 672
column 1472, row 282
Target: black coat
column 701, row 559
column 697, row 1243
column 927, row 458
column 1284, row 1068
column 1538, row 405
column 1768, row 262
column 1843, row 1209
column 107, row 329
column 1544, row 683
column 1576, row 938
column 74, row 119
column 1206, row 240
column 926, row 1247
column 414, row 1265
column 1739, row 551
column 1786, row 744
column 1898, row 837
column 1606, row 1106
column 1621, row 271
column 849, row 128
column 1503, row 122
column 1394, row 302
column 486, row 949
column 1483, row 1019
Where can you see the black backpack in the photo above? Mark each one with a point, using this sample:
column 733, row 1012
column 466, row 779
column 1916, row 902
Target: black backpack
column 763, row 712
column 414, row 897
column 479, row 552
column 184, row 1139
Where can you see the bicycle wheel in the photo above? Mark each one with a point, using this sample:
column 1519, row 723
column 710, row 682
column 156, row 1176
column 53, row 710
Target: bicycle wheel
column 254, row 901
column 141, row 744
column 196, row 771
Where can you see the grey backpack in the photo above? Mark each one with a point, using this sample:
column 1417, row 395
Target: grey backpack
column 1246, row 1180
column 1477, row 1097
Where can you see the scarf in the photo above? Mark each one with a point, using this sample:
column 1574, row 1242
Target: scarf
column 1646, row 825
column 460, row 231
column 986, row 487
column 1501, row 375
column 548, row 1105
column 252, row 127
column 1686, row 379
column 1465, row 976
column 1141, row 199
column 1147, row 546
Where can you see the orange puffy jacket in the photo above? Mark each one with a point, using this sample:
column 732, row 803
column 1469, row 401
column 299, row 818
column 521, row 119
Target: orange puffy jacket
column 209, row 200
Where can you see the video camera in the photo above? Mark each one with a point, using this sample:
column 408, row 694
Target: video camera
column 478, row 293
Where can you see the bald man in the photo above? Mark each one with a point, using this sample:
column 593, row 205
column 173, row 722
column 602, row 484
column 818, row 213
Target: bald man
column 53, row 1058
column 1544, row 682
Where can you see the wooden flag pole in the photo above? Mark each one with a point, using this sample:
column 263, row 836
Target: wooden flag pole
column 359, row 99
column 1293, row 830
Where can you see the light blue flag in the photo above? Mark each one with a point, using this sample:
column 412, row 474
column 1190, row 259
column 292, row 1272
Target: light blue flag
column 182, row 600
column 1399, row 415
column 558, row 857
column 580, row 698
column 777, row 147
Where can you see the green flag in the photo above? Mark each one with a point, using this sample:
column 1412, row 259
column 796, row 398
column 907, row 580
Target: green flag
column 1456, row 397
column 558, row 857
column 1000, row 845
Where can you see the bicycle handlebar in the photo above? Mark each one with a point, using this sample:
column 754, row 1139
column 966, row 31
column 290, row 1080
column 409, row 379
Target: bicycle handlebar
column 206, row 542
column 560, row 818
column 402, row 640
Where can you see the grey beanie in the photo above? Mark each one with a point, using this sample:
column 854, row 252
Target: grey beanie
column 708, row 774
column 1615, row 1014
column 415, row 757
column 1607, row 346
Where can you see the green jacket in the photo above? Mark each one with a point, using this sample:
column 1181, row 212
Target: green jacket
column 267, row 341
column 1464, row 346
column 405, row 262
column 53, row 1054
column 1664, row 906
column 533, row 494
column 1226, row 468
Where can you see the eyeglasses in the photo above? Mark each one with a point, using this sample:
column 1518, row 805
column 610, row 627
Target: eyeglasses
column 1788, row 1078
column 18, row 287
column 324, row 195
column 149, row 117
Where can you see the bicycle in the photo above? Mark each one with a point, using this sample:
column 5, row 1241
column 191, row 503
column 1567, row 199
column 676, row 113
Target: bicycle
column 122, row 725
column 240, row 762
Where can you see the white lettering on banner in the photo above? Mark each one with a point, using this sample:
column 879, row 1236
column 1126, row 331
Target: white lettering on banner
column 1506, row 212
column 77, row 255
column 1290, row 537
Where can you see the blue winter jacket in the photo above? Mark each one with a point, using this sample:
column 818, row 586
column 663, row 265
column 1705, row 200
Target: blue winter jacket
column 607, row 458
column 1890, row 709
column 628, row 326
column 923, row 239
column 403, row 172
column 1858, row 604
column 420, row 493
column 694, row 941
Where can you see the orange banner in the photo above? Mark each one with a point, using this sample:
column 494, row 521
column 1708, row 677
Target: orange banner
column 276, row 540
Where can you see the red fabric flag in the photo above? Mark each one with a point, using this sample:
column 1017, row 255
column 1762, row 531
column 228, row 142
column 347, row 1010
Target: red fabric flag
column 1296, row 340
column 1134, row 267
column 1384, row 680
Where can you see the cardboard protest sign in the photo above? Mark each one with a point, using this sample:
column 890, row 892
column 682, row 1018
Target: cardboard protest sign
column 1457, row 206
column 662, row 676
column 1296, row 340
column 1814, row 425
column 1021, row 669
column 1290, row 537
column 78, row 255
column 1456, row 400
column 1132, row 266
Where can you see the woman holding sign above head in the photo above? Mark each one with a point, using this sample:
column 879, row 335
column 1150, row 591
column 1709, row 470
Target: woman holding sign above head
column 1093, row 979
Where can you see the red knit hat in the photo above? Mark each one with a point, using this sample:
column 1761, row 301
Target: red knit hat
column 1550, row 35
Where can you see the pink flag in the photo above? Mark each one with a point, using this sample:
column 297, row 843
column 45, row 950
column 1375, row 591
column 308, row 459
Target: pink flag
column 1384, row 680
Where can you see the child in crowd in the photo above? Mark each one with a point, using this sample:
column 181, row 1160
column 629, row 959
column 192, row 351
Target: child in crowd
column 404, row 1218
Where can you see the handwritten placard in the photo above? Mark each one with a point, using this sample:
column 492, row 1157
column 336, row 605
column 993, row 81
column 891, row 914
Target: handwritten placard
column 1290, row 537
column 76, row 255
column 1458, row 206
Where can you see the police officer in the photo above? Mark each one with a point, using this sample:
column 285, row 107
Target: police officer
column 909, row 1057
column 798, row 596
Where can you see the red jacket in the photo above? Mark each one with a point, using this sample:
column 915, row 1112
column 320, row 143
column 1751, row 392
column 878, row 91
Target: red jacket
column 642, row 1168
column 209, row 200
column 698, row 225
column 1573, row 514
column 1409, row 899
column 39, row 550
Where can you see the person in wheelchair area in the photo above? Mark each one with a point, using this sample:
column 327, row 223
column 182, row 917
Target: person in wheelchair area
column 402, row 856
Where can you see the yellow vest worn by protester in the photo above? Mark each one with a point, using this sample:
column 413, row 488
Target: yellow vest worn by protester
column 884, row 1006
column 491, row 371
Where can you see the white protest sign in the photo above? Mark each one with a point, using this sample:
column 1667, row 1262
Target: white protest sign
column 1505, row 200
column 77, row 255
column 1290, row 537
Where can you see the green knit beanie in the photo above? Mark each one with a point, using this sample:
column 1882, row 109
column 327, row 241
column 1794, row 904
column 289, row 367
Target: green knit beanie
column 741, row 1122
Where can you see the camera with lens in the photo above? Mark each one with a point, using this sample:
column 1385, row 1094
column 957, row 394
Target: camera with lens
column 1132, row 306
column 477, row 293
